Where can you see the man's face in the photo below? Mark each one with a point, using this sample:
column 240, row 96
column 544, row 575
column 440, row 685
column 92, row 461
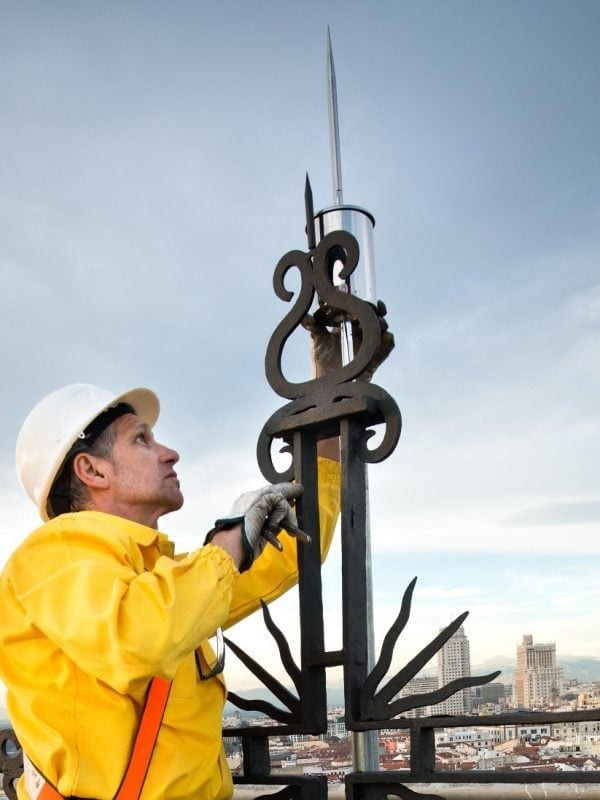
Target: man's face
column 144, row 485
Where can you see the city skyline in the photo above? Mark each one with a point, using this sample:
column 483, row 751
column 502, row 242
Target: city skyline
column 426, row 681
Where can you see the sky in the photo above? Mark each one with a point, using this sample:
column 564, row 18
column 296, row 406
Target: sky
column 152, row 174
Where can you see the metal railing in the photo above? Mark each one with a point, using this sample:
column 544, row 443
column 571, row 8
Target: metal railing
column 341, row 404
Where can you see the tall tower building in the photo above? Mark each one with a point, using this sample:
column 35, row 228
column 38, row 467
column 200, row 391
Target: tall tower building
column 454, row 661
column 538, row 681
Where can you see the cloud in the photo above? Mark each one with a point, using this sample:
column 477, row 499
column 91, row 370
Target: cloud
column 572, row 513
column 18, row 515
column 141, row 220
column 553, row 597
column 584, row 306
column 444, row 592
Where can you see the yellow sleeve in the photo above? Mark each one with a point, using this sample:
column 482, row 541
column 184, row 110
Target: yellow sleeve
column 275, row 572
column 86, row 587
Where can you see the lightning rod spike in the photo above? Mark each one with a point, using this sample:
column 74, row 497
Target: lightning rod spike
column 334, row 129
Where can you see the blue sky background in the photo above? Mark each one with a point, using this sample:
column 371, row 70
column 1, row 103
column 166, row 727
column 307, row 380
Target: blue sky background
column 152, row 174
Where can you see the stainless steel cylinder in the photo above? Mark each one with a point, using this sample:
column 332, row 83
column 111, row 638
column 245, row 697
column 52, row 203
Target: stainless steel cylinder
column 360, row 224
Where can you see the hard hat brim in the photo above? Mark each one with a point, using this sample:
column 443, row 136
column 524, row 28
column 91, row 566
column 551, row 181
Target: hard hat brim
column 144, row 402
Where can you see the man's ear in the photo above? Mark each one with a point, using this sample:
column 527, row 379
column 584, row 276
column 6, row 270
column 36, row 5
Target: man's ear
column 91, row 470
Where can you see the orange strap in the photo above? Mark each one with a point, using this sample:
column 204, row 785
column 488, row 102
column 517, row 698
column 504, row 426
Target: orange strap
column 156, row 702
column 131, row 786
column 48, row 792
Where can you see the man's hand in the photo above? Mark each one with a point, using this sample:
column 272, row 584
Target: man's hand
column 261, row 515
column 326, row 351
column 326, row 347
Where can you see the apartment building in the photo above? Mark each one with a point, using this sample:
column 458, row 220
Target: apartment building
column 454, row 661
column 538, row 682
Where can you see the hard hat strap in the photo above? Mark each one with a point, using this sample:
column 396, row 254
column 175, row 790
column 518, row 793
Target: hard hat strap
column 98, row 426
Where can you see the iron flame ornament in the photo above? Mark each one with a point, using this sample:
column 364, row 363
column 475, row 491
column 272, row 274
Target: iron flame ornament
column 339, row 403
column 323, row 401
column 375, row 703
column 381, row 705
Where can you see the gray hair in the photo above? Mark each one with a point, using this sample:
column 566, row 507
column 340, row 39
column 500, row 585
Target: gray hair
column 102, row 447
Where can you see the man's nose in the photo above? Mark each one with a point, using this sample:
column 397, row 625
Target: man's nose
column 168, row 455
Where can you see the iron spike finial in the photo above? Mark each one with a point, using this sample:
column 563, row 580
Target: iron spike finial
column 310, row 215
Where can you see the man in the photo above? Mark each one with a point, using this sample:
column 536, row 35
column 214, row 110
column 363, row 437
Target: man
column 95, row 604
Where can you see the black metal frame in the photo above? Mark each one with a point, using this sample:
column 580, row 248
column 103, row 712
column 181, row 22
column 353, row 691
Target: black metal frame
column 341, row 404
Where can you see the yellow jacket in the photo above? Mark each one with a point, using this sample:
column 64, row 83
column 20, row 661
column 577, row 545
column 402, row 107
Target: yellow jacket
column 91, row 610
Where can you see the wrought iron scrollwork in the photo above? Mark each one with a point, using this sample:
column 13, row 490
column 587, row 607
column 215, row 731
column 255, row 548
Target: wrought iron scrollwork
column 287, row 793
column 389, row 791
column 336, row 395
column 11, row 762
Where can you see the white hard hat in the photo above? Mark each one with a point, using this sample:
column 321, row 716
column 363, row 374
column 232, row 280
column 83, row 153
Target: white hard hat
column 55, row 425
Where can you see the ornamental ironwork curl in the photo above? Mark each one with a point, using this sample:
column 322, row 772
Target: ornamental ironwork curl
column 287, row 793
column 11, row 762
column 338, row 394
column 389, row 791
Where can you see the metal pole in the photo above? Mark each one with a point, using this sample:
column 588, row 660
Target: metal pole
column 336, row 175
column 365, row 744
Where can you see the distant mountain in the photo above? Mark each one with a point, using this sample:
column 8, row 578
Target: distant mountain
column 505, row 664
column 580, row 668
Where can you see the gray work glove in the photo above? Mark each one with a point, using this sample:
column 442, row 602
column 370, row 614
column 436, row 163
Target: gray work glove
column 325, row 338
column 261, row 515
